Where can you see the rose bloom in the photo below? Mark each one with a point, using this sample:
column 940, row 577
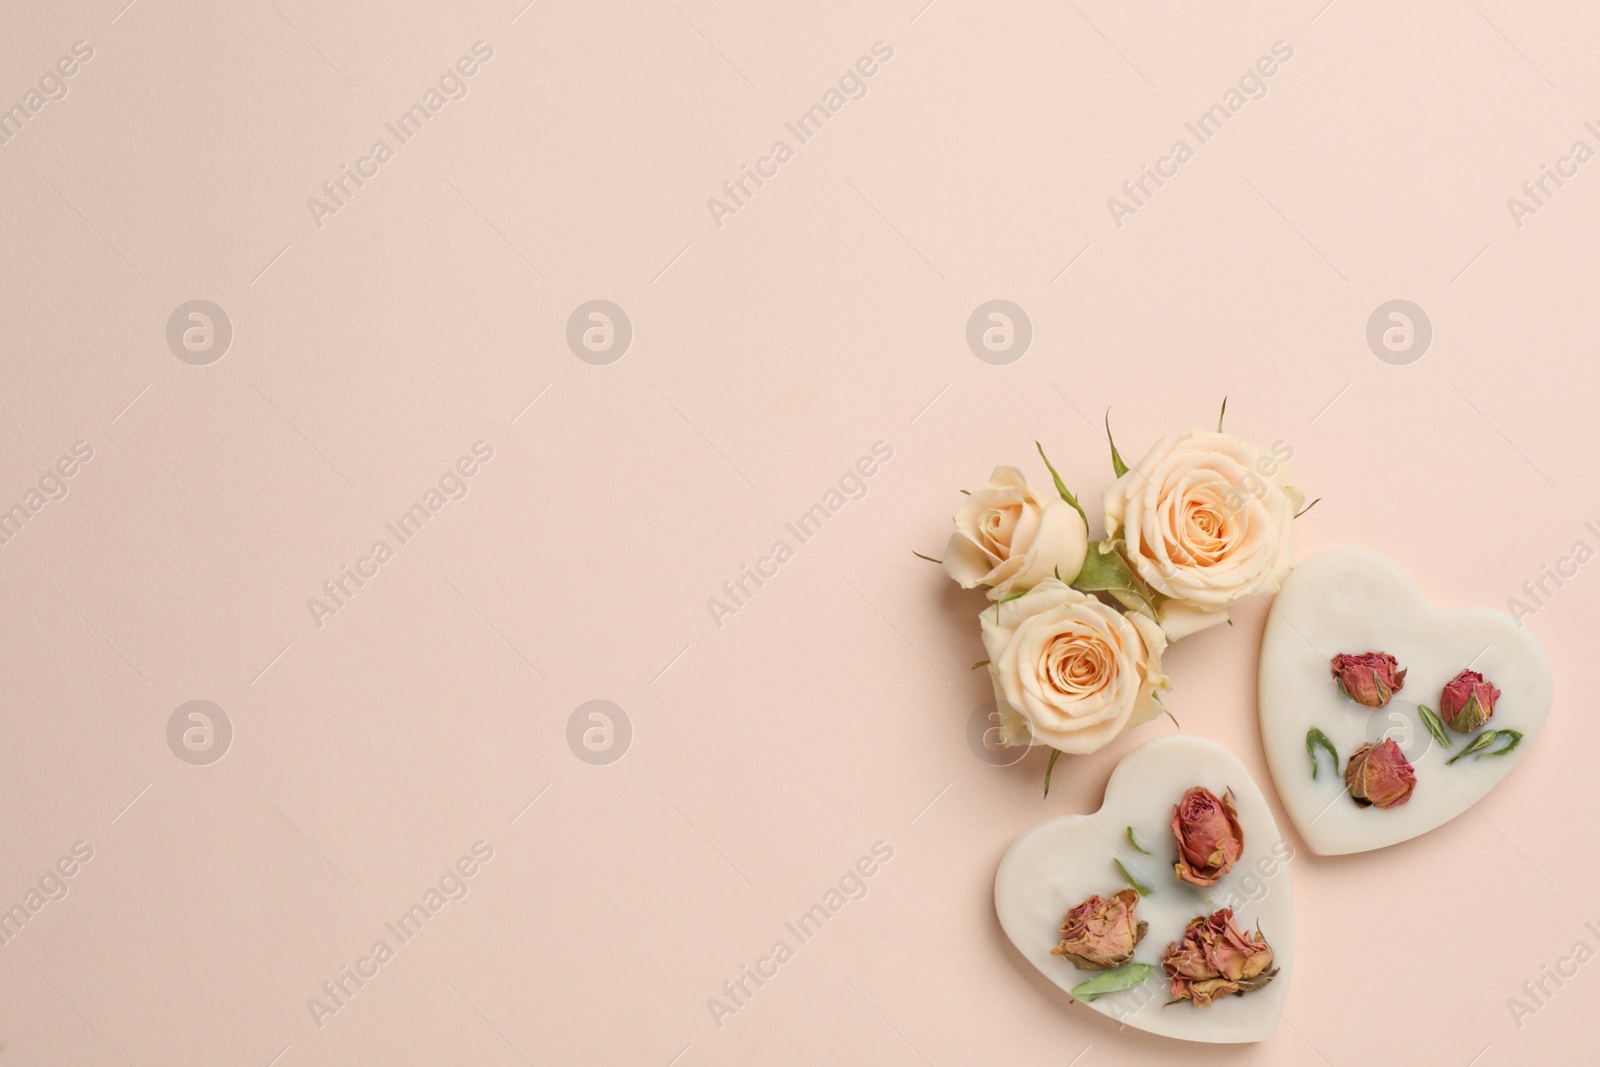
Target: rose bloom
column 1369, row 679
column 1380, row 776
column 1069, row 671
column 1210, row 839
column 1214, row 957
column 1467, row 701
column 1099, row 934
column 1206, row 518
column 1008, row 540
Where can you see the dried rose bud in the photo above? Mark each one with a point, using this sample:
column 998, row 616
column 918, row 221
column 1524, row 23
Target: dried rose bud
column 1215, row 957
column 1370, row 678
column 1467, row 701
column 1209, row 836
column 1099, row 934
column 1380, row 775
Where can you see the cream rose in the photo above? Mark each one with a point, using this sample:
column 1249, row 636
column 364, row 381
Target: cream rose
column 1009, row 541
column 1206, row 519
column 1069, row 671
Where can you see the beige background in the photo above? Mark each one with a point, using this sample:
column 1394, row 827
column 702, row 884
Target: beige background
column 829, row 313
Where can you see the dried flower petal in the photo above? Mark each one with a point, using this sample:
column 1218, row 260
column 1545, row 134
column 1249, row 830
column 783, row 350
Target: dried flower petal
column 1214, row 958
column 1370, row 679
column 1100, row 933
column 1210, row 838
column 1467, row 701
column 1380, row 775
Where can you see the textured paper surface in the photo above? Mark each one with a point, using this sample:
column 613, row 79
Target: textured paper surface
column 765, row 357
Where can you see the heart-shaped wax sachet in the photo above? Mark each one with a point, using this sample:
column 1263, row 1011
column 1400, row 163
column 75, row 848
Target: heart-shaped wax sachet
column 1060, row 865
column 1444, row 755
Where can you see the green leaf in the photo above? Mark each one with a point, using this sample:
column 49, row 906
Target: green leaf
column 1513, row 738
column 1434, row 724
column 980, row 663
column 1125, row 977
column 1116, row 457
column 1222, row 413
column 1316, row 739
column 930, row 559
column 1133, row 839
column 1061, row 486
column 1105, row 569
column 1055, row 754
column 1144, row 888
column 1477, row 744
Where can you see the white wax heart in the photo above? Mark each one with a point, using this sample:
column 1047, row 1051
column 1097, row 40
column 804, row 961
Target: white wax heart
column 1058, row 864
column 1353, row 600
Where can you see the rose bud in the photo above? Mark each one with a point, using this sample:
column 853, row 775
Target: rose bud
column 1370, row 678
column 1380, row 776
column 1209, row 836
column 1214, row 957
column 1467, row 701
column 1099, row 934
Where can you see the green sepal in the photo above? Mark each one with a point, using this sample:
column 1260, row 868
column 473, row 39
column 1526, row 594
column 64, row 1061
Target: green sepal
column 1050, row 768
column 1481, row 745
column 1061, row 486
column 1133, row 839
column 1116, row 457
column 1114, row 981
column 1006, row 600
column 1316, row 739
column 1471, row 717
column 1513, row 737
column 1144, row 888
column 1434, row 724
column 1105, row 570
column 1476, row 745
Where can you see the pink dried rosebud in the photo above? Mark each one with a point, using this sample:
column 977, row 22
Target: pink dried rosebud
column 1467, row 701
column 1214, row 957
column 1099, row 934
column 1380, row 776
column 1370, row 678
column 1209, row 836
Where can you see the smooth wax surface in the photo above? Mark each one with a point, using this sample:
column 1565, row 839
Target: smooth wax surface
column 1058, row 864
column 1354, row 600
